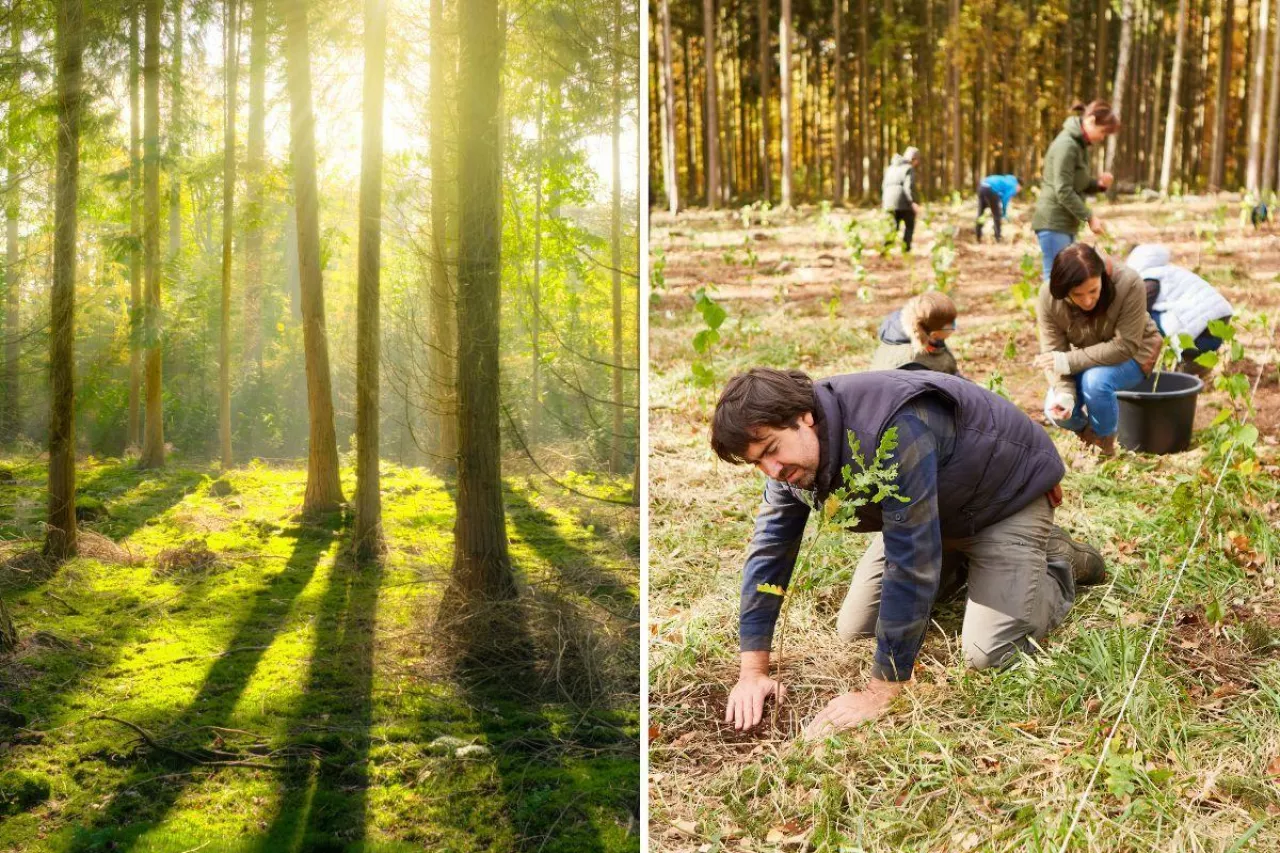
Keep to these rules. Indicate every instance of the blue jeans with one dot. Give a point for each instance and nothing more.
(1204, 343)
(1096, 403)
(1051, 243)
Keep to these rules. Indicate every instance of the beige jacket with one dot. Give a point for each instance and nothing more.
(1123, 332)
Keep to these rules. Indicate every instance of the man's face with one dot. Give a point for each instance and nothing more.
(789, 455)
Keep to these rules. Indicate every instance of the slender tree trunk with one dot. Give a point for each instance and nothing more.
(838, 84)
(1100, 62)
(60, 538)
(957, 122)
(231, 36)
(765, 61)
(1220, 141)
(481, 567)
(176, 130)
(153, 429)
(11, 417)
(690, 155)
(1121, 80)
(368, 542)
(535, 396)
(672, 179)
(1273, 117)
(442, 355)
(784, 85)
(1254, 168)
(1149, 144)
(135, 233)
(711, 138)
(615, 456)
(324, 490)
(253, 173)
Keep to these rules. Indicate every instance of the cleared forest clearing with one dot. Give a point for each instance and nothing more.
(967, 761)
(216, 674)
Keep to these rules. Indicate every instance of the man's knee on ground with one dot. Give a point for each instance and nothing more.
(978, 657)
(854, 628)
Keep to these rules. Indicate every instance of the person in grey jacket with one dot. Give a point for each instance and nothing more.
(899, 192)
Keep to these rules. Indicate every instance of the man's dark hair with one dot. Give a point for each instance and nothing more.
(1075, 265)
(761, 397)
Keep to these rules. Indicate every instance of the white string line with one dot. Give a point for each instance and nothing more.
(1155, 631)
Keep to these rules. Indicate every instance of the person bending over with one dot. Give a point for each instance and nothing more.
(915, 336)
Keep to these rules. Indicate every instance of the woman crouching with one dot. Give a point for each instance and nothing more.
(915, 336)
(1096, 338)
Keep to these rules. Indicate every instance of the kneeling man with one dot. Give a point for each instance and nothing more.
(978, 482)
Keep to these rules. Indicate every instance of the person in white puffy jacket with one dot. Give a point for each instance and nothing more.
(1181, 302)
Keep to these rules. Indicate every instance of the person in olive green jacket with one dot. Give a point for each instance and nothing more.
(1061, 209)
(1096, 338)
(915, 336)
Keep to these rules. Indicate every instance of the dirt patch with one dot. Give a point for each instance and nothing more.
(191, 560)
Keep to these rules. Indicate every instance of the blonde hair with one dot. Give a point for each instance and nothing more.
(931, 311)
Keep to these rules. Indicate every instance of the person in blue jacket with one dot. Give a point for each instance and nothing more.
(994, 194)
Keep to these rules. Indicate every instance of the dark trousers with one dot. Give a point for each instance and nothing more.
(988, 199)
(909, 217)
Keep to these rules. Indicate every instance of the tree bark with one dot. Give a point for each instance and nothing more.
(957, 122)
(442, 354)
(176, 129)
(672, 175)
(765, 61)
(837, 196)
(784, 86)
(1220, 141)
(60, 539)
(711, 140)
(254, 165)
(615, 228)
(324, 489)
(231, 70)
(1273, 116)
(481, 567)
(11, 417)
(369, 544)
(535, 396)
(153, 428)
(1121, 79)
(1254, 168)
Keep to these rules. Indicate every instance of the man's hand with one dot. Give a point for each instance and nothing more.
(857, 706)
(915, 207)
(746, 700)
(1097, 226)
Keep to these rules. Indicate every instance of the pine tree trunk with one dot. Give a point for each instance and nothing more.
(60, 538)
(177, 128)
(1121, 80)
(1217, 166)
(11, 416)
(784, 87)
(672, 175)
(953, 87)
(535, 322)
(711, 133)
(837, 196)
(1259, 82)
(153, 427)
(253, 175)
(690, 157)
(324, 489)
(615, 228)
(1100, 59)
(368, 542)
(481, 567)
(765, 62)
(1273, 116)
(442, 355)
(231, 36)
(1149, 144)
(134, 435)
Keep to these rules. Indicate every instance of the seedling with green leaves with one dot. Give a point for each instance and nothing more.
(713, 317)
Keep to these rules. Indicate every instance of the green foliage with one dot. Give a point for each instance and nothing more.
(1027, 288)
(942, 258)
(713, 317)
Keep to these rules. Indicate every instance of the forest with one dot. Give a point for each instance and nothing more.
(1146, 719)
(319, 425)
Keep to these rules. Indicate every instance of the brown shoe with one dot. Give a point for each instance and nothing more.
(1106, 444)
(1087, 566)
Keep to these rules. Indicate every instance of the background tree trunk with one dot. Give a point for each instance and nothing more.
(1218, 164)
(60, 539)
(711, 138)
(672, 179)
(324, 489)
(1254, 168)
(1121, 80)
(135, 233)
(253, 176)
(368, 521)
(177, 129)
(1273, 116)
(481, 567)
(784, 88)
(442, 353)
(765, 61)
(615, 228)
(153, 427)
(11, 416)
(838, 101)
(231, 36)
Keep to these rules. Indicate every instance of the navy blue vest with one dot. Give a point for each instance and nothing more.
(1002, 460)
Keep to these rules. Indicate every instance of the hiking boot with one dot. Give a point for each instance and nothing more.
(1087, 565)
(1106, 444)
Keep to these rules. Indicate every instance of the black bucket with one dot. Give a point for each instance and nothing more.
(1159, 421)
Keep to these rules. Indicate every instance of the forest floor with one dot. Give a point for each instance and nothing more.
(967, 760)
(215, 674)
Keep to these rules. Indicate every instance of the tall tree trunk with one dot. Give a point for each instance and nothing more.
(1253, 172)
(324, 489)
(1149, 144)
(442, 364)
(765, 61)
(672, 175)
(690, 156)
(481, 567)
(1273, 116)
(1220, 141)
(1100, 58)
(231, 36)
(60, 538)
(711, 133)
(784, 86)
(153, 428)
(535, 323)
(957, 122)
(864, 108)
(135, 233)
(177, 127)
(11, 417)
(254, 165)
(1121, 80)
(368, 542)
(839, 100)
(615, 228)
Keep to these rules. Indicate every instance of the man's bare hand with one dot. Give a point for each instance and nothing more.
(746, 700)
(854, 707)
